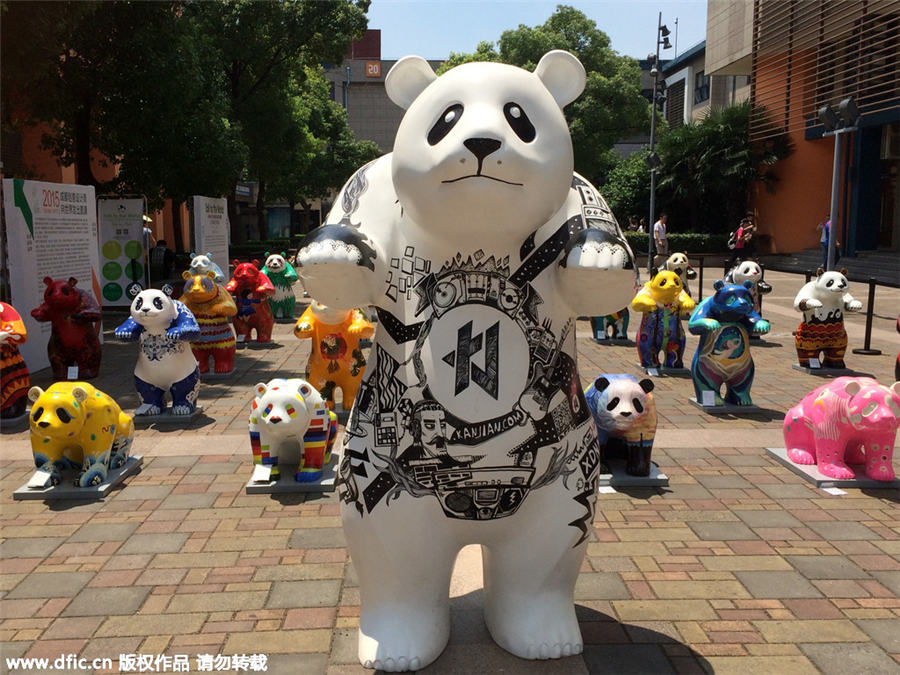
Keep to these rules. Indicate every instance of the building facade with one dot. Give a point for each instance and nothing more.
(801, 56)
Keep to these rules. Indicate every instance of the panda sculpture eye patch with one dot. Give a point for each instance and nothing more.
(445, 123)
(519, 122)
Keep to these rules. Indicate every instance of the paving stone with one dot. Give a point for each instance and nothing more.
(812, 630)
(768, 518)
(841, 659)
(51, 585)
(889, 580)
(151, 624)
(345, 645)
(826, 567)
(279, 642)
(722, 531)
(193, 560)
(698, 589)
(143, 492)
(787, 491)
(320, 537)
(104, 532)
(885, 632)
(74, 627)
(292, 664)
(301, 572)
(743, 563)
(760, 665)
(214, 468)
(612, 549)
(200, 500)
(622, 659)
(777, 584)
(842, 530)
(217, 602)
(154, 543)
(726, 481)
(104, 601)
(601, 586)
(489, 658)
(320, 593)
(29, 547)
(664, 610)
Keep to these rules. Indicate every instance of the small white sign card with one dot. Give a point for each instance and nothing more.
(814, 363)
(708, 398)
(653, 371)
(39, 479)
(72, 373)
(262, 473)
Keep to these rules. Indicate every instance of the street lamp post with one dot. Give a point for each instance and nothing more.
(662, 40)
(849, 118)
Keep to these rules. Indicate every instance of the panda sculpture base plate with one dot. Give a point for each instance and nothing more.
(15, 423)
(212, 375)
(726, 409)
(67, 491)
(823, 372)
(166, 417)
(820, 480)
(663, 370)
(620, 478)
(287, 485)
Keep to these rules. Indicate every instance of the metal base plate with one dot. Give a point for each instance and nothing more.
(823, 372)
(68, 491)
(286, 483)
(619, 478)
(167, 417)
(15, 423)
(213, 375)
(813, 475)
(727, 409)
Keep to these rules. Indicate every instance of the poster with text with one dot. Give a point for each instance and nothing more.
(122, 255)
(51, 231)
(212, 229)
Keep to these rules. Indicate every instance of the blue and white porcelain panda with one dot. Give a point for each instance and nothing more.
(479, 247)
(165, 328)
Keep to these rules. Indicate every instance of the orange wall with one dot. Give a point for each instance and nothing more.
(802, 196)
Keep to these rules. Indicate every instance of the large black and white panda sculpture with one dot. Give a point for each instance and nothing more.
(478, 246)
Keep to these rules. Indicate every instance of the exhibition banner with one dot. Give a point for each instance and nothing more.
(122, 254)
(212, 229)
(51, 231)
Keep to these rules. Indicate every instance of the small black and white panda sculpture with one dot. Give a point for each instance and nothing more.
(479, 247)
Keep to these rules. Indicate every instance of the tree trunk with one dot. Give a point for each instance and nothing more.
(176, 226)
(237, 230)
(262, 224)
(84, 173)
(306, 216)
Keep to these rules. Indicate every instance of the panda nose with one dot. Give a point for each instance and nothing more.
(482, 147)
(626, 414)
(274, 420)
(43, 424)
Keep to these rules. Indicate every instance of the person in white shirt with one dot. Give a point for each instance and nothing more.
(661, 244)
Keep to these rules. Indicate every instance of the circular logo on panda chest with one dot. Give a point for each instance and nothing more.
(333, 347)
(476, 362)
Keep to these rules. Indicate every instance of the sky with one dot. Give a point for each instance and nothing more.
(434, 28)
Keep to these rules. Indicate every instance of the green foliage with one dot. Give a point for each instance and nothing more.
(611, 106)
(692, 242)
(627, 187)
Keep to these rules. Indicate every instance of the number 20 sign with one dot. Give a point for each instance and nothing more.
(373, 68)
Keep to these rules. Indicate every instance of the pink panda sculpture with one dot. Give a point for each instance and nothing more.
(850, 420)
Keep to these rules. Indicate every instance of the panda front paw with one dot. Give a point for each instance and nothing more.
(762, 326)
(598, 255)
(854, 306)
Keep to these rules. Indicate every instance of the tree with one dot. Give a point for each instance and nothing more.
(315, 169)
(263, 50)
(627, 187)
(611, 106)
(709, 168)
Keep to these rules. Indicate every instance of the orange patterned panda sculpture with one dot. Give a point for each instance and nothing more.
(336, 359)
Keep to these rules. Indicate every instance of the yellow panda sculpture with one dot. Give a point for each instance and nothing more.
(663, 302)
(74, 424)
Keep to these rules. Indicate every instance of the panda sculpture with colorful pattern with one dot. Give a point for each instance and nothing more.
(479, 247)
(283, 277)
(165, 329)
(291, 413)
(14, 376)
(750, 270)
(201, 263)
(663, 301)
(75, 425)
(251, 290)
(724, 321)
(212, 307)
(74, 316)
(625, 414)
(823, 302)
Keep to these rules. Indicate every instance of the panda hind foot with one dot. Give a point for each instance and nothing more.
(182, 409)
(148, 409)
(548, 632)
(405, 641)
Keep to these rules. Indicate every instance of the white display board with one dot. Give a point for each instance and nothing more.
(212, 229)
(51, 231)
(122, 254)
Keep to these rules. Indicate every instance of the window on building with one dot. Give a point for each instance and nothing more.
(701, 87)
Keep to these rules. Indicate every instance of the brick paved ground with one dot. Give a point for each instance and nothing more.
(738, 566)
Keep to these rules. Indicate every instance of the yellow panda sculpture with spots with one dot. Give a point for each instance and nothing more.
(74, 424)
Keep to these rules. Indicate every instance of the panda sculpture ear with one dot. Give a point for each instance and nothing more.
(260, 388)
(563, 75)
(193, 255)
(895, 388)
(844, 271)
(79, 394)
(255, 263)
(208, 254)
(653, 272)
(820, 271)
(73, 281)
(407, 79)
(601, 383)
(266, 254)
(748, 284)
(647, 385)
(185, 275)
(719, 285)
(235, 262)
(34, 394)
(211, 275)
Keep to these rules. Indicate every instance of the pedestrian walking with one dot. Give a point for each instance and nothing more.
(660, 240)
(742, 238)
